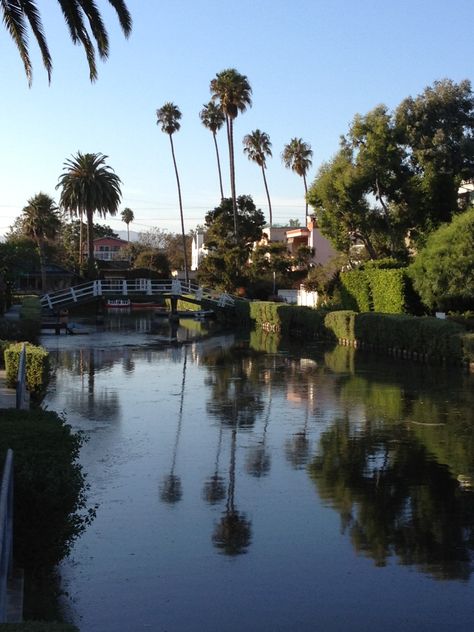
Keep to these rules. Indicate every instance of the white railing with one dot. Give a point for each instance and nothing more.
(6, 532)
(132, 287)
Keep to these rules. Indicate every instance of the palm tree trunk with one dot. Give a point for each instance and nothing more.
(230, 137)
(80, 239)
(305, 199)
(180, 211)
(90, 242)
(128, 232)
(218, 165)
(268, 196)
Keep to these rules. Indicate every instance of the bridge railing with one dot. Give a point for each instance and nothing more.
(6, 532)
(129, 287)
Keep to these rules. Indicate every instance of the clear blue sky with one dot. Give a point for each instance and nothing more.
(312, 65)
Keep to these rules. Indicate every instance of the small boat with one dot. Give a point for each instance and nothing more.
(118, 302)
(150, 305)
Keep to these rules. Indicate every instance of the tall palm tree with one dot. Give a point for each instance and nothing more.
(297, 157)
(232, 92)
(257, 146)
(213, 119)
(168, 116)
(80, 17)
(89, 186)
(127, 217)
(41, 222)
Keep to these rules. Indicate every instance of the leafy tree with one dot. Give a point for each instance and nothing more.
(168, 116)
(213, 118)
(153, 260)
(257, 146)
(41, 223)
(297, 156)
(396, 175)
(69, 240)
(438, 128)
(226, 265)
(89, 186)
(18, 14)
(127, 217)
(343, 211)
(443, 272)
(232, 92)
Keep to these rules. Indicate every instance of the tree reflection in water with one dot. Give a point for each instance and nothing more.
(171, 489)
(232, 534)
(395, 499)
(214, 488)
(297, 447)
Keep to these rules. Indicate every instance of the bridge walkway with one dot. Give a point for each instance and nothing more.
(170, 288)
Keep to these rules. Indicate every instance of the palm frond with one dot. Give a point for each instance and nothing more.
(14, 21)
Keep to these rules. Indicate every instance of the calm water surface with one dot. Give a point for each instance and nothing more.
(248, 485)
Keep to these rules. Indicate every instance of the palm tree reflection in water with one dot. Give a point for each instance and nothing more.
(214, 488)
(232, 534)
(171, 489)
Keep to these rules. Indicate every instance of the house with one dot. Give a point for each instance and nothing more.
(293, 237)
(198, 250)
(109, 249)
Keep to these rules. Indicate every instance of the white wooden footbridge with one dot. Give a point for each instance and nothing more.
(114, 288)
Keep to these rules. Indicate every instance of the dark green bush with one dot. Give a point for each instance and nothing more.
(425, 335)
(49, 499)
(37, 366)
(24, 329)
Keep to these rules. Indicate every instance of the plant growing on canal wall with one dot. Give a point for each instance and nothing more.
(37, 366)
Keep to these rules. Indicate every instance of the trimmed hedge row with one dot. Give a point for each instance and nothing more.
(375, 289)
(37, 366)
(424, 336)
(285, 318)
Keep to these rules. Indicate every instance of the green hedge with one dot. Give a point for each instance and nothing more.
(341, 324)
(355, 291)
(49, 486)
(37, 366)
(425, 335)
(378, 290)
(287, 318)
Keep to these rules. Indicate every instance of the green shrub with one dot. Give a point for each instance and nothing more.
(23, 329)
(341, 324)
(37, 366)
(387, 289)
(30, 308)
(288, 318)
(443, 272)
(49, 499)
(379, 286)
(355, 291)
(425, 335)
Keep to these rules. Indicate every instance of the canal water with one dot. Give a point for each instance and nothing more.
(243, 483)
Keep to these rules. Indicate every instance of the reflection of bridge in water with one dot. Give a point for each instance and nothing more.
(172, 289)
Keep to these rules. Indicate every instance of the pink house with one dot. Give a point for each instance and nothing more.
(109, 249)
